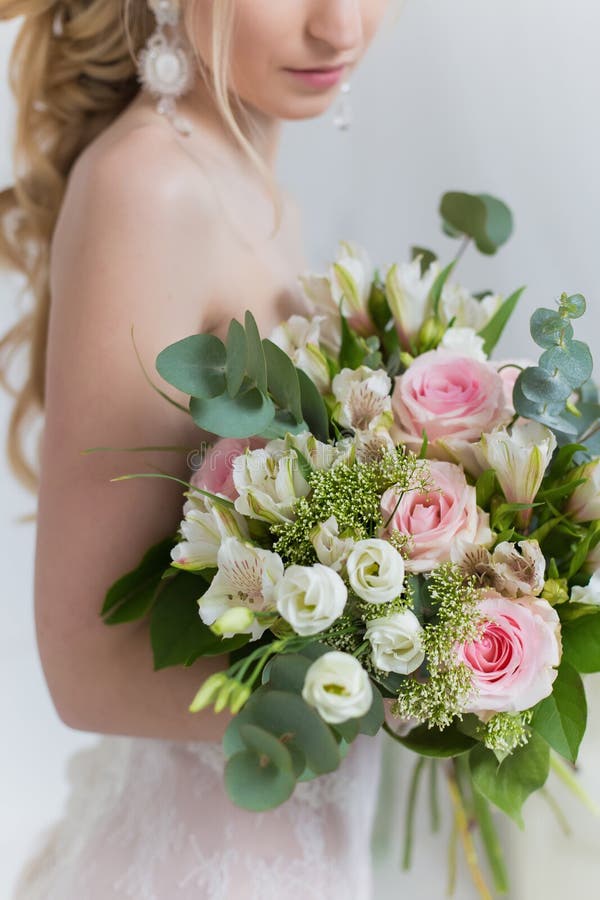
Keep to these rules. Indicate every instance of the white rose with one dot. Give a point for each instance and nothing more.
(375, 571)
(396, 642)
(331, 549)
(338, 686)
(310, 598)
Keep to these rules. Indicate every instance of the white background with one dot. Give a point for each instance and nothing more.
(500, 96)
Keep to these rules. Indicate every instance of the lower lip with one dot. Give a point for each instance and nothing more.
(318, 78)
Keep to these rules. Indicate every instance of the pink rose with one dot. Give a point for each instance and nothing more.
(448, 396)
(438, 518)
(216, 472)
(513, 661)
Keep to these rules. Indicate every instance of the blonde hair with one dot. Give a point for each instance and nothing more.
(68, 88)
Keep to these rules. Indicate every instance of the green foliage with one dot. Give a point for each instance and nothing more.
(244, 415)
(561, 718)
(133, 594)
(481, 217)
(542, 392)
(261, 776)
(237, 350)
(508, 784)
(178, 635)
(492, 332)
(195, 365)
(427, 257)
(313, 408)
(447, 742)
(581, 643)
(283, 383)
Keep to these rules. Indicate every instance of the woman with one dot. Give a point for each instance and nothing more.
(125, 213)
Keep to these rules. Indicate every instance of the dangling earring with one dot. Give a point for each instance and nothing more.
(343, 115)
(164, 65)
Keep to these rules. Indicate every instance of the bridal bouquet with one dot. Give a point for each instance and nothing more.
(391, 531)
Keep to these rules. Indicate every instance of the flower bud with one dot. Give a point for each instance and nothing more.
(208, 691)
(431, 333)
(224, 694)
(238, 697)
(236, 620)
(555, 591)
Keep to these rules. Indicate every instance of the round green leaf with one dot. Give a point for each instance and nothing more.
(262, 776)
(548, 328)
(574, 305)
(499, 221)
(288, 671)
(541, 386)
(242, 416)
(484, 218)
(574, 362)
(194, 365)
(285, 713)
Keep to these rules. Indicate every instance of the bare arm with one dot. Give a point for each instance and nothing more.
(132, 248)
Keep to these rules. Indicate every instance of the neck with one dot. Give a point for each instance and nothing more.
(262, 131)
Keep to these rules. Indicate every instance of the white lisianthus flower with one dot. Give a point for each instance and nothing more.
(268, 484)
(465, 342)
(299, 338)
(467, 311)
(310, 598)
(338, 687)
(408, 294)
(247, 576)
(203, 530)
(332, 550)
(584, 503)
(590, 593)
(396, 642)
(363, 399)
(520, 459)
(375, 571)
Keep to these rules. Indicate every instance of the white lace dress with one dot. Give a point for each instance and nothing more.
(150, 820)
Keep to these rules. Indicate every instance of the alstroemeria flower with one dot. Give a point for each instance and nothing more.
(590, 593)
(299, 337)
(203, 529)
(584, 503)
(363, 399)
(467, 311)
(407, 292)
(246, 576)
(519, 458)
(348, 282)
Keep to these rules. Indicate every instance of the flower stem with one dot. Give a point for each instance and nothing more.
(466, 837)
(570, 781)
(410, 812)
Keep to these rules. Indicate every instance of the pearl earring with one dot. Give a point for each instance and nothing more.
(343, 116)
(164, 66)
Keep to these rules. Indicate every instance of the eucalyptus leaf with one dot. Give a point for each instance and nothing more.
(195, 365)
(541, 386)
(549, 329)
(561, 718)
(574, 305)
(574, 363)
(484, 218)
(256, 365)
(282, 380)
(236, 357)
(313, 407)
(262, 776)
(242, 416)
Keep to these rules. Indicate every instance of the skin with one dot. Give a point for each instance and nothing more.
(170, 234)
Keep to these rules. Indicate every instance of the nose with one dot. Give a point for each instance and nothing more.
(337, 23)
